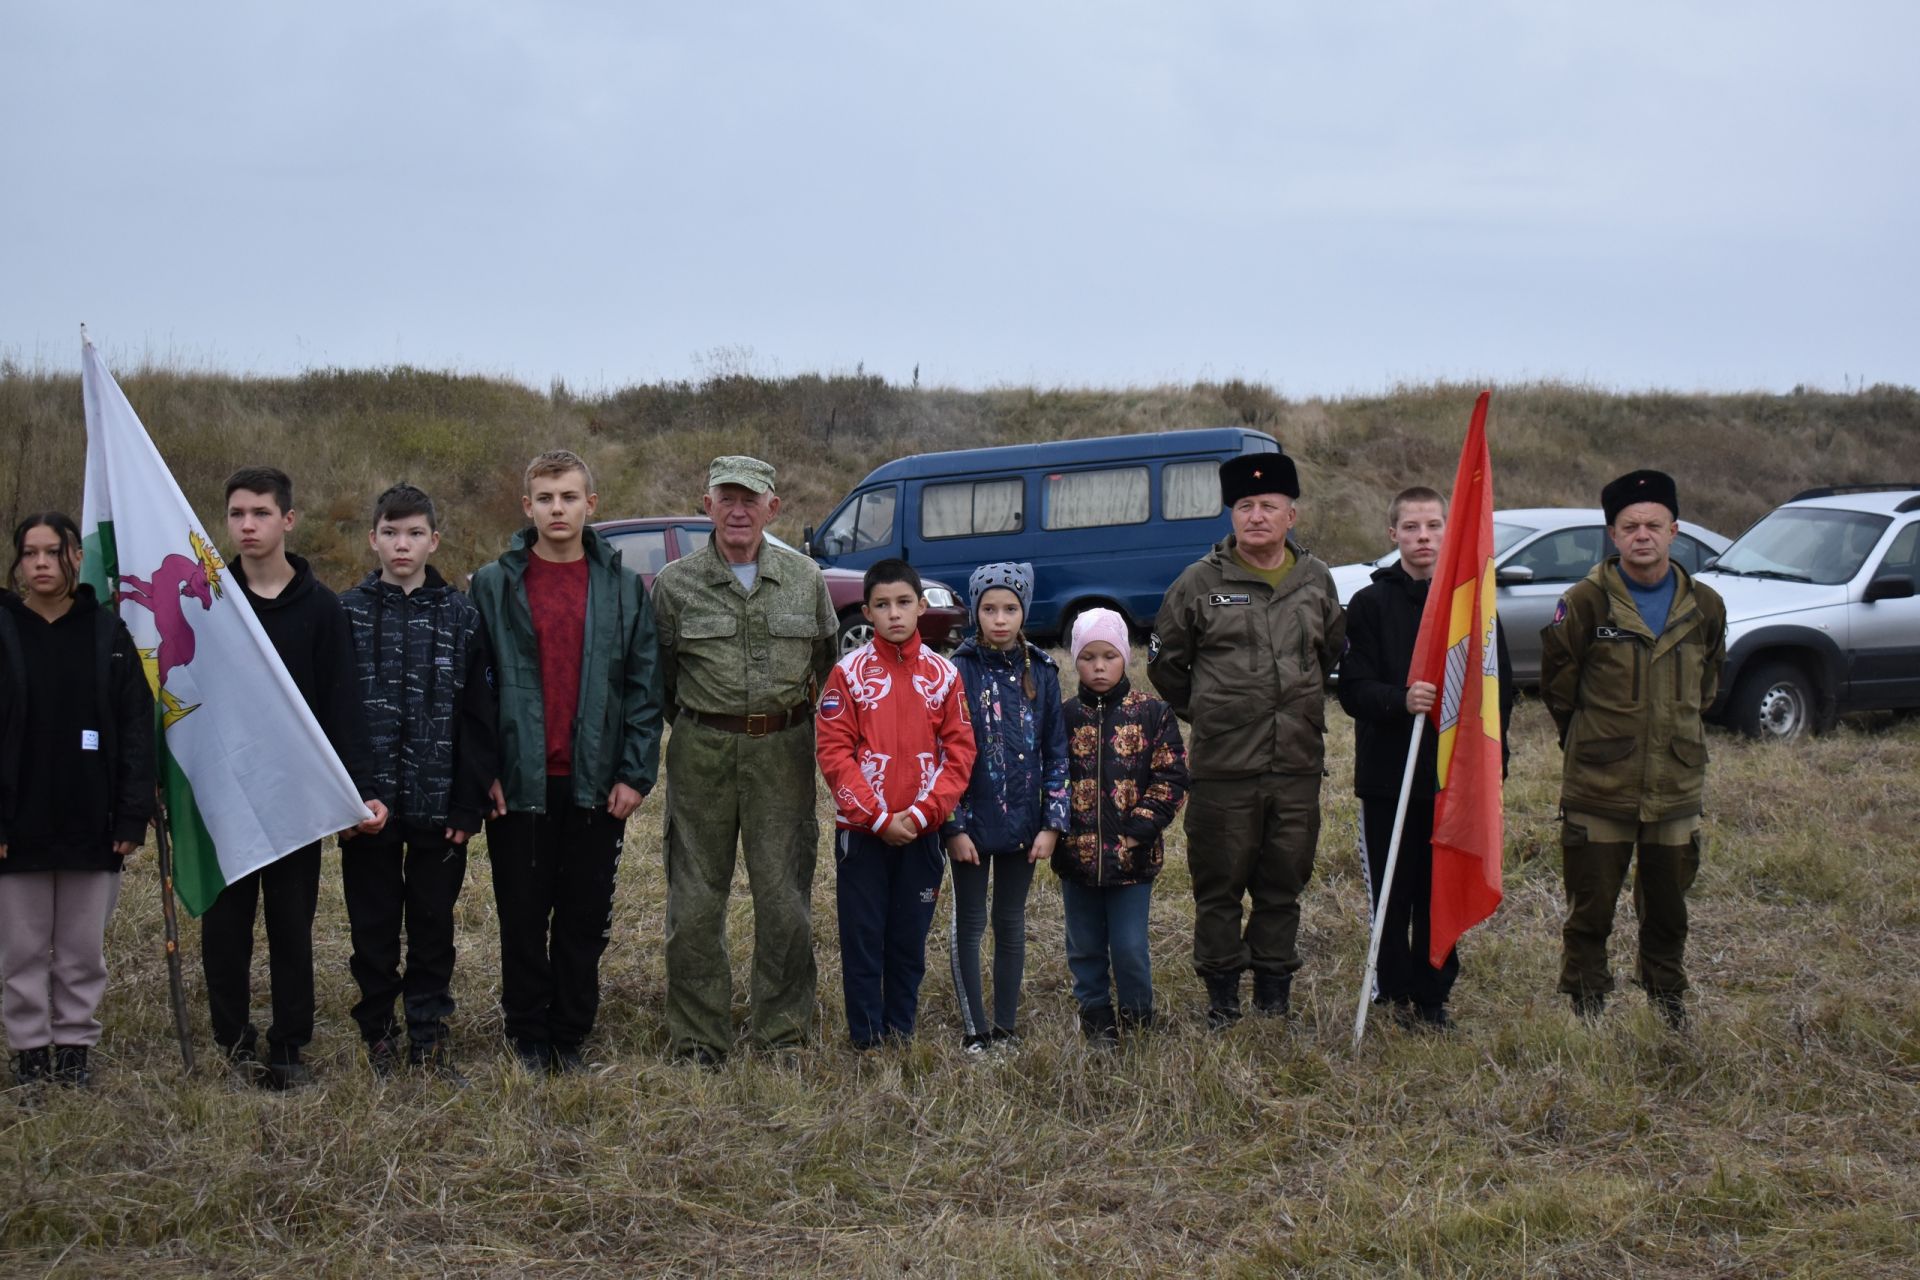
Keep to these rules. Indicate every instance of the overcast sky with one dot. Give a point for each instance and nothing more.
(1329, 197)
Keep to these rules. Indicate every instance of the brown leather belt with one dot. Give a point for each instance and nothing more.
(756, 726)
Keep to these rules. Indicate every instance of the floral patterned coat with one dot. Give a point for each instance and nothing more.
(1129, 776)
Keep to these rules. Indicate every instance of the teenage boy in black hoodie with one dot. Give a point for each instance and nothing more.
(308, 629)
(422, 665)
(1383, 621)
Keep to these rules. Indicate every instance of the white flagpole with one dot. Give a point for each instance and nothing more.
(1386, 882)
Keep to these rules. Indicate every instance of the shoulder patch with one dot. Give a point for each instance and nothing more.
(1153, 646)
(832, 705)
(1559, 613)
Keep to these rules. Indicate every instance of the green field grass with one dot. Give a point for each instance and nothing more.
(1781, 1136)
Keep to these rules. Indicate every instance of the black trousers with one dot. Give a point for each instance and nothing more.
(287, 892)
(407, 875)
(553, 881)
(1405, 973)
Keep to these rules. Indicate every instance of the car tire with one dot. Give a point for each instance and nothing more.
(1774, 701)
(855, 631)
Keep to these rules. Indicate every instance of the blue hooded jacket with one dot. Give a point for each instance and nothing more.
(1019, 783)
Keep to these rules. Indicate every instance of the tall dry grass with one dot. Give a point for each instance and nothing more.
(1780, 1137)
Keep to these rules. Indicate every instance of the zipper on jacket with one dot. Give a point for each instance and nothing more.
(1100, 796)
(1637, 647)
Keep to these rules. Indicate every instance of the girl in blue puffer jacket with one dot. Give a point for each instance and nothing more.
(1015, 807)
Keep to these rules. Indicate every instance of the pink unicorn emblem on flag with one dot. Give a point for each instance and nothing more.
(164, 594)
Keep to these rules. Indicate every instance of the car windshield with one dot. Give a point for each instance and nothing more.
(1805, 544)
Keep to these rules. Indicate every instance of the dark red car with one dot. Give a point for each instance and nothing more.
(648, 544)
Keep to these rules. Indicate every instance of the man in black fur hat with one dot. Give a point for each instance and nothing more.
(1241, 650)
(1628, 667)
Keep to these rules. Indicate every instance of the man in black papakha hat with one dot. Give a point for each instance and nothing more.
(1628, 667)
(1241, 650)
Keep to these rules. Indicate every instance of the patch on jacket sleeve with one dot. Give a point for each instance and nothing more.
(831, 705)
(1153, 646)
(1559, 613)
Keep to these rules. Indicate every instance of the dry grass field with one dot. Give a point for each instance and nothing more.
(1781, 1136)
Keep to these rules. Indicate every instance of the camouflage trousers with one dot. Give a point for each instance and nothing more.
(729, 792)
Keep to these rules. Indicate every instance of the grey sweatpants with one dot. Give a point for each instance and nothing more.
(53, 928)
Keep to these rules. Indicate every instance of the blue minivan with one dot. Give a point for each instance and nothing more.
(1107, 521)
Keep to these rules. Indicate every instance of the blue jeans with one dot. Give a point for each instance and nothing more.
(1107, 928)
(886, 898)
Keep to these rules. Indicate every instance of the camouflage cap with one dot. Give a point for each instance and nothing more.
(736, 468)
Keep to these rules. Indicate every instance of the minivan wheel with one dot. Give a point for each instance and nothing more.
(1774, 701)
(855, 631)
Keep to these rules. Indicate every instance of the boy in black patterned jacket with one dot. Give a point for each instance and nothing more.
(1128, 776)
(422, 664)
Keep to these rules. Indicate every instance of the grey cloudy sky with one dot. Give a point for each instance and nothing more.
(1329, 197)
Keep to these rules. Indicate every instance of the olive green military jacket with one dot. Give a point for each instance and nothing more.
(727, 651)
(1631, 705)
(1246, 664)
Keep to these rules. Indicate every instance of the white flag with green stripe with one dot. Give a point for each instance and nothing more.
(249, 775)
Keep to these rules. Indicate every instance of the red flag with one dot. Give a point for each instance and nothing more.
(1456, 652)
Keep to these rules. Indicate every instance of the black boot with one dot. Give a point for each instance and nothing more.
(1223, 1000)
(1671, 1006)
(70, 1066)
(244, 1058)
(31, 1066)
(383, 1055)
(1432, 1017)
(1100, 1027)
(1136, 1021)
(1589, 1005)
(433, 1056)
(1272, 994)
(534, 1056)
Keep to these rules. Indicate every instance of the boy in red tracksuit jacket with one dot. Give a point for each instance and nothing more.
(896, 746)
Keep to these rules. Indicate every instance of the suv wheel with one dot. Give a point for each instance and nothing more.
(1775, 701)
(855, 631)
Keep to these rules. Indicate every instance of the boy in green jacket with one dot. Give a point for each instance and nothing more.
(576, 668)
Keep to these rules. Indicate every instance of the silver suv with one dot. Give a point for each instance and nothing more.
(1821, 612)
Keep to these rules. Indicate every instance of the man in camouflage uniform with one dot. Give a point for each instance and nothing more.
(747, 636)
(1241, 650)
(1628, 667)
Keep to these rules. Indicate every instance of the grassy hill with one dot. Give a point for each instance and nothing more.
(346, 434)
(1780, 1137)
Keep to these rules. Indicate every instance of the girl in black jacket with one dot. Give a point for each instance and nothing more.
(76, 794)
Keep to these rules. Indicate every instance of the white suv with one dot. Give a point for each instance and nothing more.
(1821, 612)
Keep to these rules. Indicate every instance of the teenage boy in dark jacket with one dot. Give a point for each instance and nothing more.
(422, 664)
(309, 631)
(1383, 621)
(578, 673)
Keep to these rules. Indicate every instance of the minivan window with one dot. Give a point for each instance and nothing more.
(1088, 499)
(972, 507)
(861, 525)
(1190, 490)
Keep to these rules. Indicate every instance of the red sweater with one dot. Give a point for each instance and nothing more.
(894, 736)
